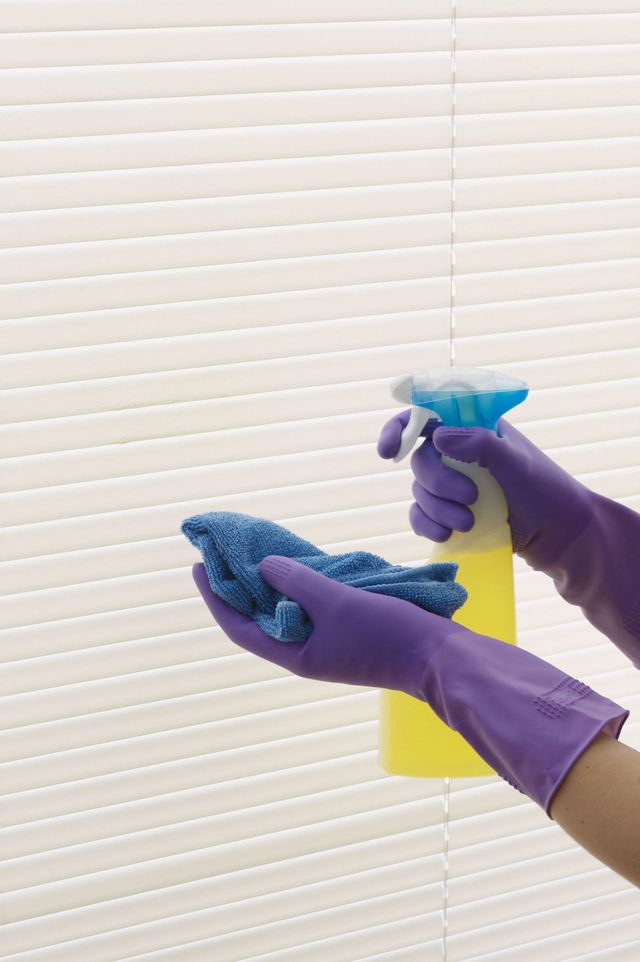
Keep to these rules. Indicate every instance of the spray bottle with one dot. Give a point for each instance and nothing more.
(413, 740)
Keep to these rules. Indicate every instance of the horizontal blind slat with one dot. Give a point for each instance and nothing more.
(116, 222)
(34, 122)
(330, 464)
(119, 14)
(78, 84)
(403, 876)
(110, 461)
(154, 183)
(192, 866)
(61, 155)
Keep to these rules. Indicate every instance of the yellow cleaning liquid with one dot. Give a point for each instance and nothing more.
(413, 740)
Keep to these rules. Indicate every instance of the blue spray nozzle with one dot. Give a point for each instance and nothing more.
(458, 396)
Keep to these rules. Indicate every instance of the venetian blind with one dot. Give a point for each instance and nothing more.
(225, 227)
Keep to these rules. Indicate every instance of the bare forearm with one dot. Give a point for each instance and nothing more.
(598, 804)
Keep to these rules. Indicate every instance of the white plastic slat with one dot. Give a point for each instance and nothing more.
(166, 388)
(196, 864)
(242, 183)
(581, 185)
(173, 764)
(179, 711)
(35, 539)
(177, 284)
(119, 14)
(354, 304)
(176, 711)
(65, 154)
(33, 122)
(357, 102)
(534, 126)
(576, 92)
(595, 939)
(547, 281)
(241, 825)
(197, 483)
(25, 836)
(548, 31)
(172, 551)
(135, 83)
(555, 62)
(337, 531)
(419, 931)
(227, 228)
(59, 47)
(370, 863)
(109, 461)
(569, 920)
(547, 157)
(154, 183)
(113, 222)
(282, 374)
(405, 877)
(83, 83)
(598, 217)
(548, 896)
(180, 353)
(254, 345)
(523, 123)
(176, 775)
(332, 930)
(567, 865)
(190, 419)
(545, 129)
(525, 8)
(215, 314)
(213, 247)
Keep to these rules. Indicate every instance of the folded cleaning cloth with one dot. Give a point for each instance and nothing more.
(233, 545)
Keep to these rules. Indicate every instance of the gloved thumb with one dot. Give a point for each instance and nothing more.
(302, 584)
(467, 444)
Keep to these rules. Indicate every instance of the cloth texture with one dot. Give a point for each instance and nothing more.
(233, 545)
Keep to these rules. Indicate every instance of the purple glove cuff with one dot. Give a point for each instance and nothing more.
(598, 571)
(530, 722)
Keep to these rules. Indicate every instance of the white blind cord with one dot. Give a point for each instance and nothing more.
(445, 867)
(452, 209)
(452, 324)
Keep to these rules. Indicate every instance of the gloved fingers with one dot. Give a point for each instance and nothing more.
(391, 433)
(439, 479)
(476, 444)
(241, 630)
(424, 526)
(448, 514)
(313, 591)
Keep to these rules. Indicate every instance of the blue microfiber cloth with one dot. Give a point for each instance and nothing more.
(232, 546)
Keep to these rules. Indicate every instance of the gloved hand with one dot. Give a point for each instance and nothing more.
(588, 544)
(526, 718)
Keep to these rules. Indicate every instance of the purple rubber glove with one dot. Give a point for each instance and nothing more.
(527, 719)
(587, 543)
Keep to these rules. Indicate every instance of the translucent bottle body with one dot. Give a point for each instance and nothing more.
(412, 739)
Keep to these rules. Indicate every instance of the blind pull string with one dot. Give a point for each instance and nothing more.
(452, 324)
(452, 191)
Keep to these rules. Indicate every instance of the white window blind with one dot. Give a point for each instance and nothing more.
(225, 227)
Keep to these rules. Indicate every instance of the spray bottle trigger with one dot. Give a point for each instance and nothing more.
(417, 420)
